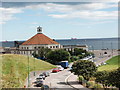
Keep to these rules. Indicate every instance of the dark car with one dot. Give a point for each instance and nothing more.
(46, 74)
(39, 83)
(55, 70)
(45, 87)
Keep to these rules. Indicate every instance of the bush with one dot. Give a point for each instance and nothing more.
(81, 79)
(88, 84)
(97, 86)
(81, 56)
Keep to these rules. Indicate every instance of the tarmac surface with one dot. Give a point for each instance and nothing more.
(67, 80)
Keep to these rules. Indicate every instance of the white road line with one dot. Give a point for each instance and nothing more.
(67, 78)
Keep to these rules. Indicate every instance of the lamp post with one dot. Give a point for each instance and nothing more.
(34, 65)
(111, 50)
(28, 71)
(92, 51)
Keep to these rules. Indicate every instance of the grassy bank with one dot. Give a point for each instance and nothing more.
(112, 64)
(15, 69)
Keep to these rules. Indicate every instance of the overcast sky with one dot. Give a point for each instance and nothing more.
(60, 20)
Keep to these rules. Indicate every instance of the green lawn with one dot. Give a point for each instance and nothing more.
(15, 69)
(112, 64)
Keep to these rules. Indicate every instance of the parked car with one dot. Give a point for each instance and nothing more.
(39, 84)
(45, 87)
(46, 74)
(60, 68)
(42, 76)
(70, 68)
(55, 70)
(39, 79)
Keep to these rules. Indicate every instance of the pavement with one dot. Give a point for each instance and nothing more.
(73, 82)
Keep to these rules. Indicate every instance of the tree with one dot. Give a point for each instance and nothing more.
(85, 68)
(42, 52)
(114, 78)
(102, 77)
(58, 55)
(79, 51)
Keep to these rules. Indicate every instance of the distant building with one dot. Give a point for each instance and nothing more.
(72, 47)
(37, 41)
(34, 43)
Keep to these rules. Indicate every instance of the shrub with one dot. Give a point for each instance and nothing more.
(81, 79)
(97, 86)
(88, 84)
(73, 58)
(81, 56)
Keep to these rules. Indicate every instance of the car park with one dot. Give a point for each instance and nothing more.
(55, 70)
(46, 74)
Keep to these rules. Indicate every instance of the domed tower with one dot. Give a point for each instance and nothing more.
(39, 29)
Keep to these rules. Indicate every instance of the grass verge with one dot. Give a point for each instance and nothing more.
(15, 69)
(112, 64)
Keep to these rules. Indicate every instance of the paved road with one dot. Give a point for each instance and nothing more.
(57, 80)
(100, 57)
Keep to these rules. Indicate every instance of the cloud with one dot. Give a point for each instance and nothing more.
(69, 7)
(79, 10)
(7, 14)
(61, 10)
(88, 15)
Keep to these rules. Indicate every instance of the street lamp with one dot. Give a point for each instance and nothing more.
(34, 66)
(28, 71)
(92, 51)
(111, 49)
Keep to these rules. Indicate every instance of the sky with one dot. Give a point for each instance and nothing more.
(59, 20)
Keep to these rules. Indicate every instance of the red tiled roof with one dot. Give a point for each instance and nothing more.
(39, 39)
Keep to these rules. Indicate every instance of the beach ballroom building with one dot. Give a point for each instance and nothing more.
(37, 41)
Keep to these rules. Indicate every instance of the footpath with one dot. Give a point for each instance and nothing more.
(73, 82)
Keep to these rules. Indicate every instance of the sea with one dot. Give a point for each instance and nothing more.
(95, 43)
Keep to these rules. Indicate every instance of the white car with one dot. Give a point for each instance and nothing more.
(42, 76)
(60, 68)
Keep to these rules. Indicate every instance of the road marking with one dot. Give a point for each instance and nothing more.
(66, 79)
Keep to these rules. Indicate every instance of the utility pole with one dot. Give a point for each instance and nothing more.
(111, 49)
(34, 65)
(28, 72)
(93, 52)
